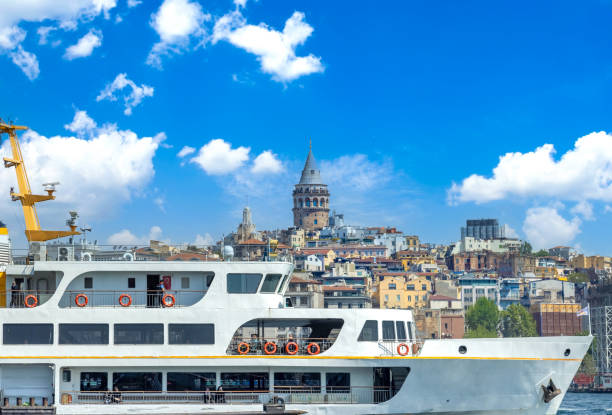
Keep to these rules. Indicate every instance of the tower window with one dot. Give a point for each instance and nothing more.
(315, 222)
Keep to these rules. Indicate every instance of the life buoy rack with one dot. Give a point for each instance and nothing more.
(270, 348)
(415, 349)
(129, 300)
(291, 348)
(315, 346)
(403, 349)
(243, 348)
(167, 303)
(30, 304)
(78, 298)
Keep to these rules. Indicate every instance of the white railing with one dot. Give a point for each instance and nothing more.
(400, 347)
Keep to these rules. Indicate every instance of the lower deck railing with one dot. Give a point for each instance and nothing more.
(347, 395)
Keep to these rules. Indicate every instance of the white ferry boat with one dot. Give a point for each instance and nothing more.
(95, 336)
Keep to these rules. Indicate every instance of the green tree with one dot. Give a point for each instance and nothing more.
(578, 277)
(588, 366)
(517, 322)
(482, 318)
(525, 248)
(541, 252)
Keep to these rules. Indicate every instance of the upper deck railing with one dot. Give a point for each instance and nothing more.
(270, 346)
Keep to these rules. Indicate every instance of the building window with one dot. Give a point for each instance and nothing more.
(187, 381)
(315, 221)
(191, 333)
(416, 298)
(392, 286)
(480, 291)
(243, 283)
(88, 283)
(28, 333)
(94, 381)
(138, 381)
(337, 382)
(83, 334)
(131, 282)
(139, 334)
(369, 332)
(185, 283)
(424, 287)
(409, 298)
(410, 287)
(398, 297)
(306, 382)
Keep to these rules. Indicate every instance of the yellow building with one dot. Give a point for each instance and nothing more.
(546, 272)
(413, 243)
(410, 258)
(400, 291)
(596, 261)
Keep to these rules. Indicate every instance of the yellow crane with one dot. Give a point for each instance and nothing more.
(28, 200)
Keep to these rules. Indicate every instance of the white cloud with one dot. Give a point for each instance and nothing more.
(545, 227)
(126, 237)
(85, 46)
(43, 34)
(82, 124)
(274, 50)
(509, 232)
(26, 61)
(582, 173)
(607, 209)
(185, 151)
(240, 3)
(218, 157)
(11, 37)
(131, 100)
(267, 162)
(133, 3)
(97, 174)
(178, 23)
(160, 202)
(357, 171)
(584, 209)
(205, 240)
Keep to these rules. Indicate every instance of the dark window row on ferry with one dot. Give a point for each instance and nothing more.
(201, 381)
(250, 283)
(391, 331)
(96, 334)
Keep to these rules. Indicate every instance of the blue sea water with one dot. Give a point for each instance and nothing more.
(586, 403)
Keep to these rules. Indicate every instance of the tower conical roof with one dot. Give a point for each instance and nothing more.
(310, 174)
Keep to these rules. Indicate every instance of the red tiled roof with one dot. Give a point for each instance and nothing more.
(303, 281)
(252, 242)
(187, 257)
(282, 246)
(311, 251)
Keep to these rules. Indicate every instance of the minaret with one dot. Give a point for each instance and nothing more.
(310, 198)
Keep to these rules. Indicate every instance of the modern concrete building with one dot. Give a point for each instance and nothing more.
(482, 229)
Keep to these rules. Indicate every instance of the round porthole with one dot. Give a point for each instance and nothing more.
(462, 349)
(567, 352)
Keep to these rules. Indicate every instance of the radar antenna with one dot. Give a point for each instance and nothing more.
(28, 200)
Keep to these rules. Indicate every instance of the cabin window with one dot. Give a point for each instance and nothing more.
(66, 375)
(185, 283)
(337, 382)
(270, 283)
(139, 334)
(243, 283)
(88, 283)
(191, 333)
(308, 382)
(283, 283)
(179, 381)
(28, 333)
(388, 328)
(83, 334)
(369, 332)
(401, 330)
(245, 381)
(131, 282)
(138, 381)
(94, 381)
(410, 330)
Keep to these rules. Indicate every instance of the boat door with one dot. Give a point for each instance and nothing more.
(153, 290)
(26, 381)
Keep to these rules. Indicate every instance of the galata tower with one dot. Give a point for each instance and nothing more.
(310, 198)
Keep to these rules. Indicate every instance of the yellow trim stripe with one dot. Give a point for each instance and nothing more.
(298, 357)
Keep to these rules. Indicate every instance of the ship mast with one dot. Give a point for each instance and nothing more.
(28, 200)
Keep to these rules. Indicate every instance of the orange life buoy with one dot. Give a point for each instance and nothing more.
(415, 349)
(270, 351)
(317, 349)
(31, 304)
(167, 297)
(78, 298)
(403, 349)
(243, 348)
(129, 300)
(293, 350)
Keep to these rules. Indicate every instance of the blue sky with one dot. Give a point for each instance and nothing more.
(409, 105)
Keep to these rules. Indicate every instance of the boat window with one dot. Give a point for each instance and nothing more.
(401, 330)
(83, 334)
(270, 283)
(243, 283)
(131, 282)
(369, 332)
(94, 381)
(185, 283)
(410, 330)
(388, 330)
(310, 381)
(282, 285)
(337, 382)
(88, 283)
(245, 381)
(139, 334)
(191, 333)
(180, 381)
(28, 333)
(138, 381)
